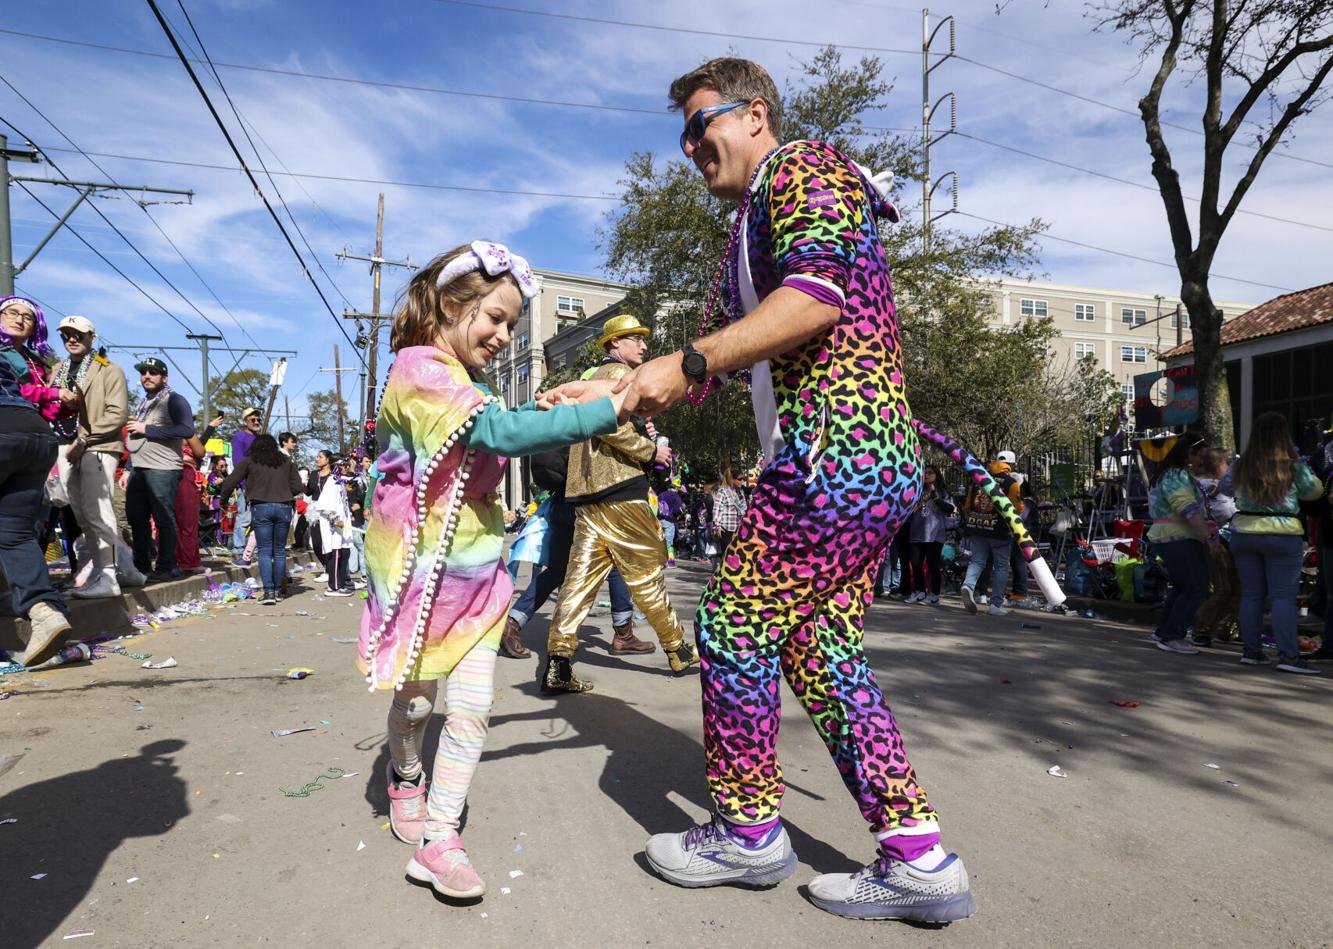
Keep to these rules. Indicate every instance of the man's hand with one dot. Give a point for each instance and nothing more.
(75, 451)
(123, 479)
(586, 390)
(217, 420)
(658, 383)
(68, 397)
(663, 456)
(136, 427)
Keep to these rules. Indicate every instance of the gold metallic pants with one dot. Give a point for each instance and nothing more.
(623, 534)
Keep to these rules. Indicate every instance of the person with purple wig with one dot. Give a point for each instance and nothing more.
(27, 454)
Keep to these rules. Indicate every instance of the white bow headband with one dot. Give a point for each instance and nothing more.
(494, 259)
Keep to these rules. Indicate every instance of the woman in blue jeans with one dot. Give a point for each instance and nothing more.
(272, 485)
(1181, 536)
(1268, 538)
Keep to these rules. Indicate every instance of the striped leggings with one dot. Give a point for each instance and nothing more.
(468, 692)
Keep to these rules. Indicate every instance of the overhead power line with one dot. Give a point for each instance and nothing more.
(1046, 235)
(249, 174)
(1126, 181)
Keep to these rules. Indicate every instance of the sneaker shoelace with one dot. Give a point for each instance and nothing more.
(702, 834)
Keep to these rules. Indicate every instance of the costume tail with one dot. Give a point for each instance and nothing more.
(1041, 571)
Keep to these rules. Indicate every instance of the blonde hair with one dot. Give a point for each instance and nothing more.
(424, 310)
(1264, 470)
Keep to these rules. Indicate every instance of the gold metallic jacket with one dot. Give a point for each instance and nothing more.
(607, 460)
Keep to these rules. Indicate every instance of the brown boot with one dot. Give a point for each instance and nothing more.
(625, 641)
(511, 640)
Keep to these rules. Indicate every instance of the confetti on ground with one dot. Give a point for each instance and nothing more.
(315, 785)
(1231, 784)
(132, 880)
(167, 663)
(9, 820)
(505, 891)
(1215, 767)
(293, 731)
(515, 874)
(518, 848)
(1123, 703)
(37, 876)
(80, 933)
(1056, 771)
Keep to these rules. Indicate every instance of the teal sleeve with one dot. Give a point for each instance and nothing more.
(528, 430)
(1308, 486)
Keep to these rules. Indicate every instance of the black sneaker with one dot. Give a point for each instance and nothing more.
(1253, 659)
(558, 676)
(162, 576)
(1297, 665)
(1201, 639)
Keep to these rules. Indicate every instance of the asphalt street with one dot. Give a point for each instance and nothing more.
(157, 807)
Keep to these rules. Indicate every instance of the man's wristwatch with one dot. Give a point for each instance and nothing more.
(694, 364)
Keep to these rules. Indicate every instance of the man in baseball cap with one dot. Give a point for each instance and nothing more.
(161, 422)
(91, 446)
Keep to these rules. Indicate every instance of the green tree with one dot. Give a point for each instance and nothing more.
(1262, 65)
(321, 429)
(668, 234)
(234, 392)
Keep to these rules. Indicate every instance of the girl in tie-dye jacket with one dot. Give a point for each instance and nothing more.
(438, 589)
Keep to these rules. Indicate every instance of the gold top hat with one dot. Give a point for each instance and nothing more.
(627, 325)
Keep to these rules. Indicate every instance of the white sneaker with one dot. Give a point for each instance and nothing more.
(933, 600)
(48, 625)
(892, 889)
(708, 856)
(969, 599)
(916, 598)
(1182, 646)
(994, 610)
(320, 578)
(337, 592)
(103, 586)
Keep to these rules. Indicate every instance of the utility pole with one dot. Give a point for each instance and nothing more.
(8, 271)
(287, 411)
(204, 392)
(369, 373)
(338, 371)
(927, 113)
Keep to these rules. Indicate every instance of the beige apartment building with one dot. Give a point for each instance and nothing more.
(1126, 332)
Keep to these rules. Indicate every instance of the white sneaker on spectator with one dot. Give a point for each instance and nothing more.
(916, 598)
(994, 610)
(932, 600)
(128, 575)
(1182, 646)
(102, 586)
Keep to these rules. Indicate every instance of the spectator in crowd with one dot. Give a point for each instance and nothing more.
(669, 507)
(1219, 617)
(252, 422)
(1180, 536)
(356, 502)
(926, 530)
(728, 507)
(332, 523)
(273, 484)
(161, 423)
(1018, 565)
(1267, 539)
(96, 440)
(27, 452)
(990, 535)
(287, 444)
(189, 496)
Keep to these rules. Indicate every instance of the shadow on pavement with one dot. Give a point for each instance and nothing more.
(647, 761)
(67, 828)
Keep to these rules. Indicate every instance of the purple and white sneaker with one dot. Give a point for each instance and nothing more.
(708, 855)
(894, 889)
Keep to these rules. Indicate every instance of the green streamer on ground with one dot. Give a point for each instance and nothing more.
(315, 785)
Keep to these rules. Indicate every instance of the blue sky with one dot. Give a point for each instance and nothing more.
(564, 158)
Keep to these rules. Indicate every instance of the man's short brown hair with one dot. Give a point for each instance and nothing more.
(734, 80)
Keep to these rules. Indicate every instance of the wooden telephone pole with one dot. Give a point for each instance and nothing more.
(370, 374)
(338, 371)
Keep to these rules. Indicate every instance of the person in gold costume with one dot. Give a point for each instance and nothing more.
(614, 526)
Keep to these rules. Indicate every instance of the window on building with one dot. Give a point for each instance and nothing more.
(1033, 307)
(1127, 391)
(1133, 317)
(1085, 312)
(522, 373)
(1133, 354)
(565, 304)
(521, 341)
(1180, 320)
(504, 383)
(1084, 350)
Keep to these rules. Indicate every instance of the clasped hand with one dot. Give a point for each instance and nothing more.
(648, 390)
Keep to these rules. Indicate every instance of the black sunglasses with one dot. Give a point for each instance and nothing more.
(699, 122)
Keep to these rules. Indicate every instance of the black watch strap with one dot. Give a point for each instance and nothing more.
(694, 364)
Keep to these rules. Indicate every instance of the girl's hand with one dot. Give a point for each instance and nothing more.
(68, 397)
(624, 402)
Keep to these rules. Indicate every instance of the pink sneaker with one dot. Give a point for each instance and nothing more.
(407, 808)
(445, 866)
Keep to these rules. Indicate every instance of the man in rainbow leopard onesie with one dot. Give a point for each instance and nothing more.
(804, 303)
